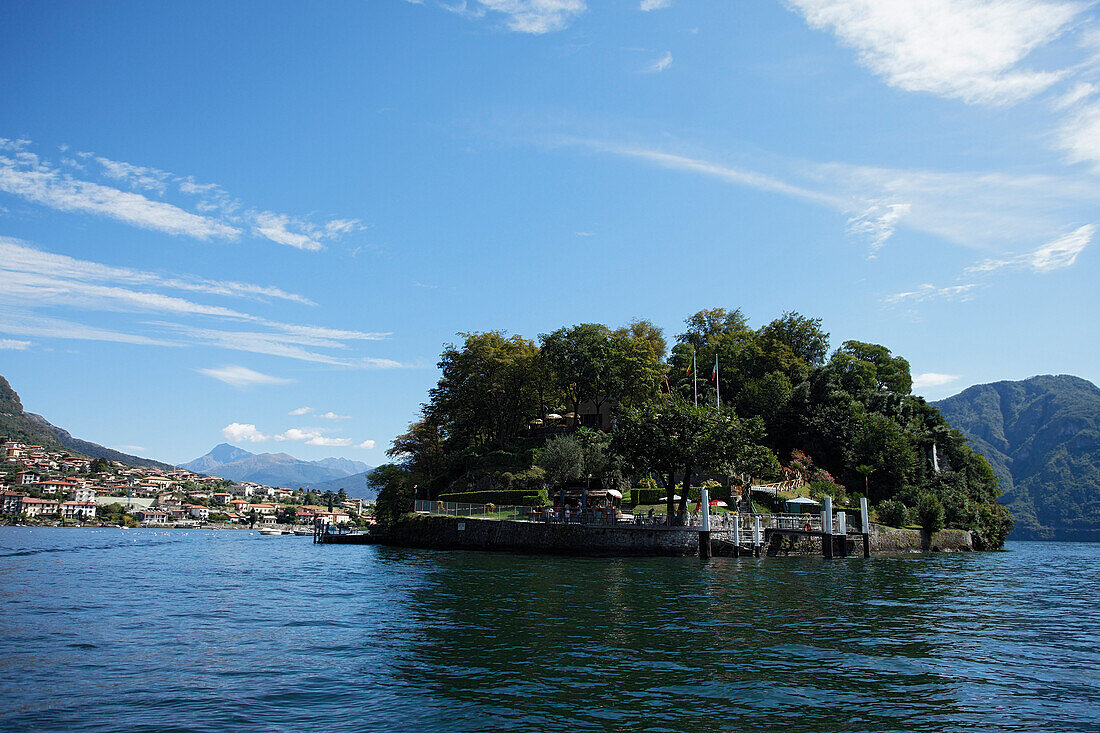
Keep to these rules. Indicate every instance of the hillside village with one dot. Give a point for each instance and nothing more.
(41, 485)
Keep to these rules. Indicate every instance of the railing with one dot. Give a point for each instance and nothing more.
(478, 511)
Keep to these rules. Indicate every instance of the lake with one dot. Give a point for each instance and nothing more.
(199, 630)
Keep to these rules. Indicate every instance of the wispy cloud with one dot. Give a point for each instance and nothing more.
(25, 176)
(983, 210)
(965, 49)
(240, 376)
(660, 64)
(300, 411)
(877, 222)
(20, 322)
(215, 214)
(648, 5)
(237, 432)
(932, 379)
(366, 444)
(927, 291)
(38, 280)
(1054, 255)
(14, 344)
(523, 16)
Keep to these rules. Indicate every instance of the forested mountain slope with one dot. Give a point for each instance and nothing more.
(1042, 438)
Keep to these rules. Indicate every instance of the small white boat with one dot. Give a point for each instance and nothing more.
(270, 531)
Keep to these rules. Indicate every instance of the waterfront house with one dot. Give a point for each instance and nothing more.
(34, 508)
(151, 516)
(197, 511)
(82, 495)
(78, 510)
(11, 502)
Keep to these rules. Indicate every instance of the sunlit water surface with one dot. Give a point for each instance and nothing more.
(201, 630)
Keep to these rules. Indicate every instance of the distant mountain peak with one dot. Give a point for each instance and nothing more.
(274, 469)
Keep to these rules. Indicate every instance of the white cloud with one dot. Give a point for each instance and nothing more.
(525, 16)
(990, 211)
(932, 379)
(34, 279)
(149, 179)
(236, 432)
(216, 214)
(1079, 93)
(878, 222)
(648, 5)
(19, 256)
(14, 344)
(333, 416)
(20, 322)
(367, 444)
(301, 411)
(927, 291)
(278, 228)
(240, 376)
(311, 437)
(329, 442)
(131, 448)
(1079, 136)
(659, 65)
(40, 184)
(297, 434)
(963, 49)
(1056, 254)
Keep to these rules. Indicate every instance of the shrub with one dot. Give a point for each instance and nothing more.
(930, 513)
(893, 513)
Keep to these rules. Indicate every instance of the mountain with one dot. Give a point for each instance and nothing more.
(1042, 438)
(355, 486)
(219, 455)
(272, 469)
(26, 427)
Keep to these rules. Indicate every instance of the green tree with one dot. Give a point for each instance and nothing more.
(930, 514)
(802, 335)
(563, 460)
(394, 485)
(891, 372)
(488, 391)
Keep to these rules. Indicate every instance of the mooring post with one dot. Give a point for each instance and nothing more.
(737, 535)
(842, 530)
(704, 528)
(866, 517)
(827, 526)
(756, 535)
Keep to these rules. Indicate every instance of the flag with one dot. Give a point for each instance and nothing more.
(714, 374)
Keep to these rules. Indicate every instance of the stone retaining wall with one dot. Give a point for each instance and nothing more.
(451, 533)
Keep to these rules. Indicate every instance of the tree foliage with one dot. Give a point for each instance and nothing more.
(778, 396)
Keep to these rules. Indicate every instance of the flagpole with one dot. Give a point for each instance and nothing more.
(717, 383)
(694, 378)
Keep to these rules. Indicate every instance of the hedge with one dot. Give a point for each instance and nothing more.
(500, 497)
(657, 496)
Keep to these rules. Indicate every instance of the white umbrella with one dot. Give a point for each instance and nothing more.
(615, 492)
(553, 416)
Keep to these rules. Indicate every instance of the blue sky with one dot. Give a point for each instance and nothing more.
(262, 222)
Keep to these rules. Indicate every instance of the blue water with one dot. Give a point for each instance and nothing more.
(200, 630)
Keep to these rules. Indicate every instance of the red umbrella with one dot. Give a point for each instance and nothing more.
(718, 502)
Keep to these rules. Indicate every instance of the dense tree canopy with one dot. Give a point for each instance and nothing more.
(783, 400)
